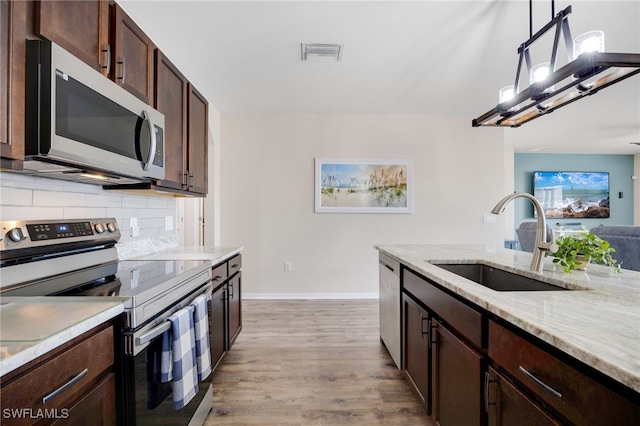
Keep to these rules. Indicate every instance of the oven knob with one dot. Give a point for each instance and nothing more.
(112, 227)
(16, 234)
(100, 228)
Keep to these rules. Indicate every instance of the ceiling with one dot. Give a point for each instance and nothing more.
(414, 57)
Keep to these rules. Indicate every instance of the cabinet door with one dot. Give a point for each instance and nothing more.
(198, 113)
(235, 308)
(16, 18)
(457, 380)
(416, 348)
(96, 407)
(80, 27)
(133, 51)
(171, 100)
(218, 325)
(506, 405)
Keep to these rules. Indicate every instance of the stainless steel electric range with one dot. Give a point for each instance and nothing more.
(78, 258)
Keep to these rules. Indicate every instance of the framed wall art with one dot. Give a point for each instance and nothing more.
(363, 186)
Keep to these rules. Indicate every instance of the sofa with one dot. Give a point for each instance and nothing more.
(526, 233)
(626, 240)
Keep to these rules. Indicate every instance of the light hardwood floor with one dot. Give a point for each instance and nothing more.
(311, 362)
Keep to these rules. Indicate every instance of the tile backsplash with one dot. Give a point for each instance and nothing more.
(25, 197)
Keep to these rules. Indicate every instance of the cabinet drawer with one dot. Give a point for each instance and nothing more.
(461, 317)
(575, 395)
(95, 354)
(219, 274)
(235, 264)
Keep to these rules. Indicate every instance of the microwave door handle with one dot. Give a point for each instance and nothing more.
(152, 145)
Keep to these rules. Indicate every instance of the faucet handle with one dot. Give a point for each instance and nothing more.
(552, 247)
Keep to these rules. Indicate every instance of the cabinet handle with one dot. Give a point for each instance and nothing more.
(230, 290)
(540, 383)
(432, 326)
(64, 387)
(106, 48)
(123, 70)
(235, 265)
(387, 266)
(487, 381)
(422, 332)
(218, 277)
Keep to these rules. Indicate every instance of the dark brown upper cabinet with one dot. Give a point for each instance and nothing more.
(171, 100)
(80, 27)
(133, 50)
(185, 129)
(16, 26)
(197, 141)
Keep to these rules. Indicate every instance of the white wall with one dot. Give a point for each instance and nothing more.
(267, 195)
(25, 198)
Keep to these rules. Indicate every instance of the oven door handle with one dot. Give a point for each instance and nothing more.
(166, 325)
(153, 333)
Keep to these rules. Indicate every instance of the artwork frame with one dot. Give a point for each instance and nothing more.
(348, 185)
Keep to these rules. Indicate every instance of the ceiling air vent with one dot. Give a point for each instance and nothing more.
(321, 52)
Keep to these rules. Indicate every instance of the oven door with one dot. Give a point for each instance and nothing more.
(147, 400)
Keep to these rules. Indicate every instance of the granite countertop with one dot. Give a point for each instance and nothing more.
(597, 322)
(32, 326)
(213, 254)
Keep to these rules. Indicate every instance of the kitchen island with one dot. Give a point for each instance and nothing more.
(596, 321)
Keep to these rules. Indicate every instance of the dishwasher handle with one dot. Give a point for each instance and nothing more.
(386, 265)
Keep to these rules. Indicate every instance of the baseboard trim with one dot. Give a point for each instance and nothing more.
(305, 296)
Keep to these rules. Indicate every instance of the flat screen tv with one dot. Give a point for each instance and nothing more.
(572, 194)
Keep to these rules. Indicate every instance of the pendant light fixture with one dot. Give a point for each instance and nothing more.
(589, 69)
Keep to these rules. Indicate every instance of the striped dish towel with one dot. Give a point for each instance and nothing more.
(179, 349)
(201, 328)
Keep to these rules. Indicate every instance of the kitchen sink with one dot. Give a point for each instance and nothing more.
(497, 279)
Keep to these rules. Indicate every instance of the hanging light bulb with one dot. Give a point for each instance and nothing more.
(506, 94)
(539, 72)
(592, 41)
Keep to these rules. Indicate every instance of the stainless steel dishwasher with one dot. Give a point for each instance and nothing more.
(389, 271)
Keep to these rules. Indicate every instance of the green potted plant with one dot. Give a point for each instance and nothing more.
(576, 252)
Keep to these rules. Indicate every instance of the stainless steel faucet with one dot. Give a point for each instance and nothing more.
(542, 245)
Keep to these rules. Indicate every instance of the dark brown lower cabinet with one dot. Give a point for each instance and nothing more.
(506, 405)
(456, 380)
(218, 325)
(235, 308)
(74, 383)
(97, 407)
(416, 348)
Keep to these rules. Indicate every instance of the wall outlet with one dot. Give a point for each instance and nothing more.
(489, 219)
(134, 231)
(288, 266)
(168, 223)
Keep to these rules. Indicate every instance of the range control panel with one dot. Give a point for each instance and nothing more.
(59, 230)
(24, 234)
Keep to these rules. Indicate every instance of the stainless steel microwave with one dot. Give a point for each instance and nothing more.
(82, 126)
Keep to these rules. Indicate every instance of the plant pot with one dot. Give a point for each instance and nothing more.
(584, 261)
